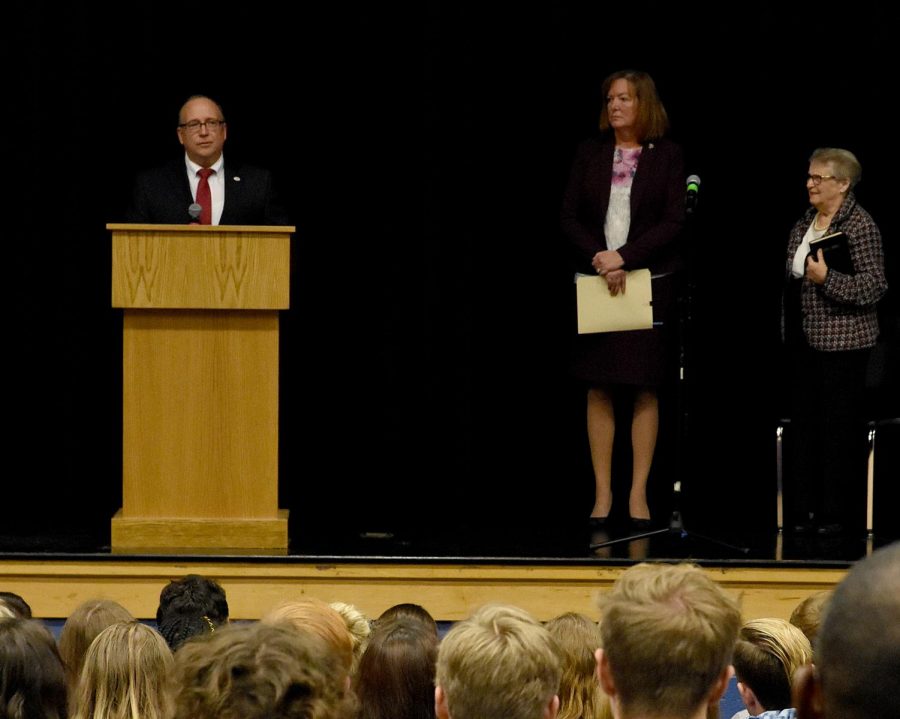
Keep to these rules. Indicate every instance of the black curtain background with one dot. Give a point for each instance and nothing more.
(422, 150)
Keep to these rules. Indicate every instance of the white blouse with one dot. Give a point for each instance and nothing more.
(798, 268)
(618, 213)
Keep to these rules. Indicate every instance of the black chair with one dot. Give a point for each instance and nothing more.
(882, 412)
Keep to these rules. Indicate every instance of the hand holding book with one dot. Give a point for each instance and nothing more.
(835, 252)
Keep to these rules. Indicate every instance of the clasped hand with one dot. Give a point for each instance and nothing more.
(609, 265)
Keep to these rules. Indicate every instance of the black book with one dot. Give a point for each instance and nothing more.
(835, 250)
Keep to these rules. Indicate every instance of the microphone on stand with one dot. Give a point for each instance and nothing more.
(194, 211)
(693, 190)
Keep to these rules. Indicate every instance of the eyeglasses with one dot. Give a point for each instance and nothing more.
(195, 125)
(817, 179)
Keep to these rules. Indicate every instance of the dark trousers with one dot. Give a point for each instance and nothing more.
(828, 461)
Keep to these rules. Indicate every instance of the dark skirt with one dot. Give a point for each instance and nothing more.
(639, 358)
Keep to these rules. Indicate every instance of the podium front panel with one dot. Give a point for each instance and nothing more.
(200, 414)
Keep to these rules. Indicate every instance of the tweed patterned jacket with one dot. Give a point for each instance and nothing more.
(840, 314)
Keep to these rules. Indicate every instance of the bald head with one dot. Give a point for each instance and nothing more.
(858, 646)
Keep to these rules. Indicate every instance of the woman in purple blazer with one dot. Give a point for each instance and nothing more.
(623, 210)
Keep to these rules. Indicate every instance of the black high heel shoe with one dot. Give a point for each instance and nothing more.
(596, 523)
(640, 525)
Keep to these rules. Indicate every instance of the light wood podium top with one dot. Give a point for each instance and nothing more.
(140, 227)
(219, 267)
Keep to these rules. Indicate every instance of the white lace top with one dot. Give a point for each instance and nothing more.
(618, 214)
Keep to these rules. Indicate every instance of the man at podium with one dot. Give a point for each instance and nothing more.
(200, 188)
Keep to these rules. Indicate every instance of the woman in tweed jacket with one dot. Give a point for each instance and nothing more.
(830, 324)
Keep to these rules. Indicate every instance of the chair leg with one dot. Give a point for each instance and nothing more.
(779, 474)
(870, 482)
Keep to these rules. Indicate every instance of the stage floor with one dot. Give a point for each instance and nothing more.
(451, 571)
(534, 542)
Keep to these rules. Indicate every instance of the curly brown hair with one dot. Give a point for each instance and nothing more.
(261, 671)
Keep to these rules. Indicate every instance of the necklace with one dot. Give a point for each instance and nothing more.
(816, 223)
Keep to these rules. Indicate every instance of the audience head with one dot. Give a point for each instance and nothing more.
(82, 627)
(313, 615)
(18, 606)
(32, 676)
(408, 611)
(807, 616)
(127, 674)
(858, 647)
(767, 654)
(358, 625)
(499, 662)
(668, 636)
(395, 679)
(190, 606)
(261, 671)
(580, 695)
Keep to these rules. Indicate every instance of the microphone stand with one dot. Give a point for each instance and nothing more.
(676, 522)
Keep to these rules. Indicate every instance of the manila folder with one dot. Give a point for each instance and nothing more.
(598, 311)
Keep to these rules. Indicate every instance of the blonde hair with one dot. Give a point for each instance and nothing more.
(499, 662)
(766, 656)
(313, 615)
(580, 694)
(82, 627)
(127, 674)
(357, 625)
(668, 635)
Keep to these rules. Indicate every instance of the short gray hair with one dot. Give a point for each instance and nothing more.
(844, 163)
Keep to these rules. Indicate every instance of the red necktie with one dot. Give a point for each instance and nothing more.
(204, 196)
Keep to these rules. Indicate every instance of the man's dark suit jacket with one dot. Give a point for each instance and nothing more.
(163, 195)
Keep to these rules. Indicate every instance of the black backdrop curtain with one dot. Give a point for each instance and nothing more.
(422, 150)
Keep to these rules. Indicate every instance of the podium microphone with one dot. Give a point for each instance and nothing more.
(194, 211)
(693, 189)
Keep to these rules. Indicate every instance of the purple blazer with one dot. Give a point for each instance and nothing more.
(657, 205)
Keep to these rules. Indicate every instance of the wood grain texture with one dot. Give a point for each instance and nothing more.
(449, 591)
(194, 266)
(200, 414)
(155, 534)
(200, 384)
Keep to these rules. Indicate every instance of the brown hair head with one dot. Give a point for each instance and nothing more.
(652, 119)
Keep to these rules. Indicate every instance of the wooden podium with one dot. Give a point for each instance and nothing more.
(200, 385)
